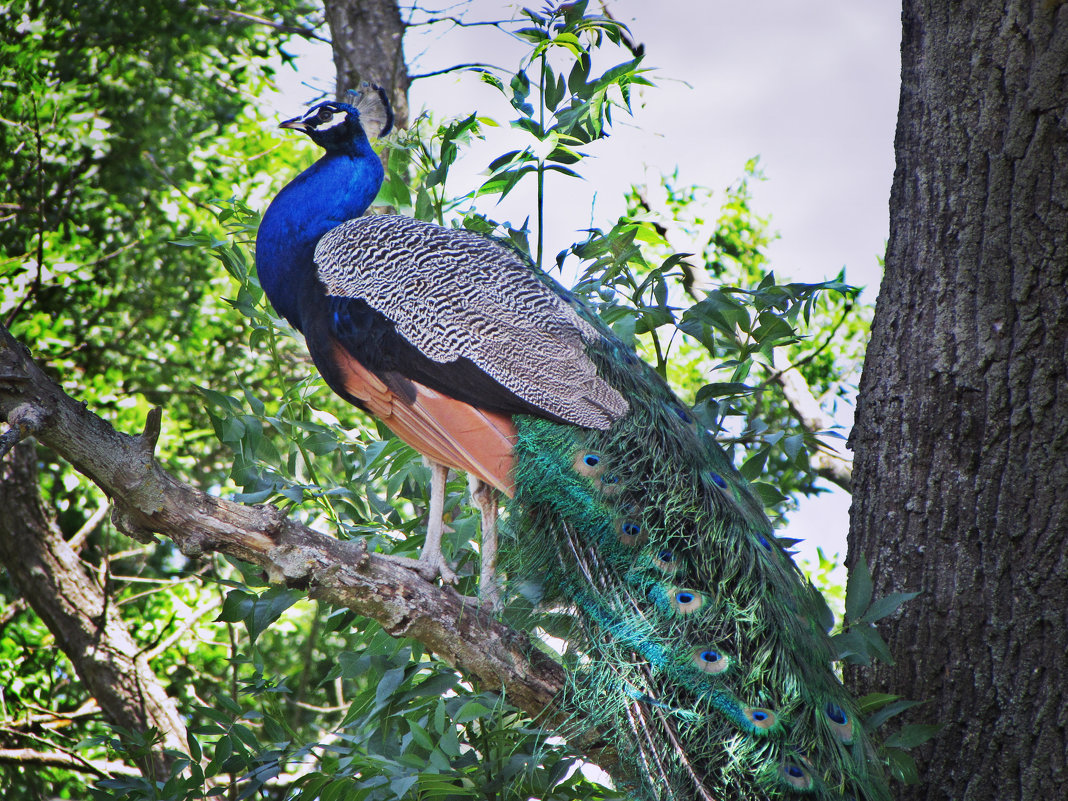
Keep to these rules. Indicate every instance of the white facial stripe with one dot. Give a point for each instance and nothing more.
(334, 122)
(323, 117)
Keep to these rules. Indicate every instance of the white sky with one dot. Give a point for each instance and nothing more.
(809, 87)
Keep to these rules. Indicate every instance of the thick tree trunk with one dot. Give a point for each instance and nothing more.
(961, 472)
(367, 40)
(85, 622)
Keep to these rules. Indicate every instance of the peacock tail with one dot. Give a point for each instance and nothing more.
(704, 657)
(700, 652)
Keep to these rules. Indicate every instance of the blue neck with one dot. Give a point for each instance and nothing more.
(338, 187)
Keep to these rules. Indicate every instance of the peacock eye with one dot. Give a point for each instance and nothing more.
(709, 660)
(665, 561)
(325, 115)
(686, 602)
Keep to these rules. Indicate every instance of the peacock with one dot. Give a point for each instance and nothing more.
(704, 652)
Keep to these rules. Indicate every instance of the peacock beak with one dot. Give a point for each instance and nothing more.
(297, 124)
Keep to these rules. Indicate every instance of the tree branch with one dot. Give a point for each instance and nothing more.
(474, 66)
(58, 759)
(150, 501)
(231, 15)
(831, 467)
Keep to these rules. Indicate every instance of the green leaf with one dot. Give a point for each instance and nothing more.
(472, 710)
(563, 170)
(492, 80)
(871, 702)
(650, 318)
(449, 743)
(554, 87)
(752, 468)
(912, 735)
(724, 389)
(388, 684)
(534, 35)
(890, 710)
(624, 328)
(353, 665)
(257, 611)
(576, 81)
(504, 182)
(902, 766)
(851, 648)
(617, 72)
(424, 205)
(532, 127)
(321, 443)
(858, 590)
(768, 494)
(877, 646)
(510, 159)
(887, 605)
(792, 445)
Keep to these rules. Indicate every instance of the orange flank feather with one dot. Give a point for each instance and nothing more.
(441, 428)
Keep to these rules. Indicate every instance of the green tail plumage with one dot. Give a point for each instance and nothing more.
(704, 652)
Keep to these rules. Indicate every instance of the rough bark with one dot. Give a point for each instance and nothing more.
(74, 607)
(962, 424)
(368, 46)
(150, 501)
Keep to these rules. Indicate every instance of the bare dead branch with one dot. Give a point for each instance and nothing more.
(188, 622)
(459, 23)
(831, 466)
(88, 527)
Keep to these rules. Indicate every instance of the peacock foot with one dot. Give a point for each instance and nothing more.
(428, 566)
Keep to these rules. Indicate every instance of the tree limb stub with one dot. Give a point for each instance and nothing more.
(149, 501)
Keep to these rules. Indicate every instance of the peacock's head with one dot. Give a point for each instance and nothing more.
(335, 126)
(330, 124)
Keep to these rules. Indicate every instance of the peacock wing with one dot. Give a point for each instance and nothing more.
(459, 297)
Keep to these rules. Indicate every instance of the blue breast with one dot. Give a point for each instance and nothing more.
(338, 187)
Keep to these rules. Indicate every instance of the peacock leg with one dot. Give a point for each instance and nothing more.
(485, 497)
(431, 562)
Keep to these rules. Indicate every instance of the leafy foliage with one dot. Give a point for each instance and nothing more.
(132, 279)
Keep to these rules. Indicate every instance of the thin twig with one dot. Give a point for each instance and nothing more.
(190, 621)
(494, 23)
(95, 519)
(224, 15)
(475, 66)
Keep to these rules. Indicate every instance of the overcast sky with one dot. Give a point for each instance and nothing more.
(811, 88)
